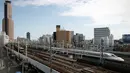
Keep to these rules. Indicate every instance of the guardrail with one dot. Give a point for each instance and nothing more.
(35, 63)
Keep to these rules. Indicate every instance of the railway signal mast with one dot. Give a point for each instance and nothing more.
(26, 48)
(18, 46)
(51, 55)
(101, 51)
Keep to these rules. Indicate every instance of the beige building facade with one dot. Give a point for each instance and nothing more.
(63, 36)
(7, 22)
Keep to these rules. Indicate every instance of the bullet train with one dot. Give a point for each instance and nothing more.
(106, 56)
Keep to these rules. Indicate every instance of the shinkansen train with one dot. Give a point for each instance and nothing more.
(107, 56)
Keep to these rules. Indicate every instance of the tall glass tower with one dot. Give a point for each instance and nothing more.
(7, 22)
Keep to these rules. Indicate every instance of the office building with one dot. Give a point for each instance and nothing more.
(45, 39)
(78, 39)
(105, 42)
(100, 32)
(57, 28)
(64, 36)
(111, 40)
(48, 39)
(54, 36)
(21, 40)
(72, 36)
(7, 22)
(108, 41)
(126, 38)
(28, 35)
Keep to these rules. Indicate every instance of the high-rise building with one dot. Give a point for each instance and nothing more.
(126, 38)
(28, 35)
(7, 22)
(21, 40)
(105, 42)
(99, 33)
(63, 36)
(54, 36)
(78, 39)
(111, 40)
(57, 28)
(45, 39)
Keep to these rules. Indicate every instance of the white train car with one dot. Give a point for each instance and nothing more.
(107, 56)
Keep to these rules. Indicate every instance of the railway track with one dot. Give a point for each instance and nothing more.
(67, 65)
(64, 64)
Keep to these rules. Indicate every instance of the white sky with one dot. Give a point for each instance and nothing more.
(112, 13)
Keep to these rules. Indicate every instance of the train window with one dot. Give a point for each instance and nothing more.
(94, 54)
(105, 55)
(113, 55)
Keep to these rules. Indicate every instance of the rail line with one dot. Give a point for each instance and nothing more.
(69, 64)
(64, 64)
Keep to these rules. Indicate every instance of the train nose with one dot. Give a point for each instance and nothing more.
(121, 59)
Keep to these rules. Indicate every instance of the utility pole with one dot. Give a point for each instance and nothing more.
(36, 44)
(7, 52)
(12, 48)
(50, 57)
(26, 49)
(75, 50)
(101, 52)
(8, 67)
(23, 68)
(18, 46)
(25, 55)
(63, 44)
(1, 52)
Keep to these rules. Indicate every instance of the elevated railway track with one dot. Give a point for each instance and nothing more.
(68, 64)
(64, 64)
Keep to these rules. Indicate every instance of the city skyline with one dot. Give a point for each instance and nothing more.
(43, 16)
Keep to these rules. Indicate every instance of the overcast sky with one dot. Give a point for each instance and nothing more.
(82, 16)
